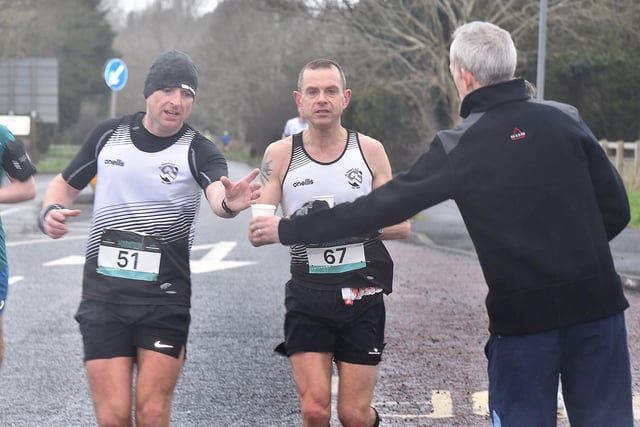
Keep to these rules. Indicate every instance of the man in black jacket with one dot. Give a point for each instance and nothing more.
(541, 200)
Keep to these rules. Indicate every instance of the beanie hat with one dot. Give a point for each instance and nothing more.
(171, 69)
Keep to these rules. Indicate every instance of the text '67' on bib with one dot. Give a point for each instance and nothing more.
(129, 255)
(335, 259)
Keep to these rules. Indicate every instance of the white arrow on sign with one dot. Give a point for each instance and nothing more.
(213, 260)
(115, 75)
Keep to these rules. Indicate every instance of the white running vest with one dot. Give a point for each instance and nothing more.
(153, 193)
(346, 179)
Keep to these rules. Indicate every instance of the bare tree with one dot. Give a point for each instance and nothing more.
(16, 21)
(251, 56)
(407, 42)
(249, 53)
(403, 44)
(163, 25)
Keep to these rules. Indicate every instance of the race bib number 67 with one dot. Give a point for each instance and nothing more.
(129, 255)
(336, 259)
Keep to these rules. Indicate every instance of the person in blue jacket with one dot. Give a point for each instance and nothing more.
(21, 187)
(541, 201)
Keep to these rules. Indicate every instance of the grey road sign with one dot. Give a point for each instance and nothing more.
(29, 86)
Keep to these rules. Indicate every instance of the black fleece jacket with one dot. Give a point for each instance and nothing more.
(538, 195)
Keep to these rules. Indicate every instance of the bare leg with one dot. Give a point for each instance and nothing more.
(157, 378)
(110, 384)
(312, 374)
(355, 394)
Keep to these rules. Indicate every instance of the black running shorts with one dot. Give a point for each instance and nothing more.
(320, 321)
(118, 330)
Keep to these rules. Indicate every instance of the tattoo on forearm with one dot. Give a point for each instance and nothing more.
(265, 171)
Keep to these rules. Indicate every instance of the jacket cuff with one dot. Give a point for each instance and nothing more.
(285, 231)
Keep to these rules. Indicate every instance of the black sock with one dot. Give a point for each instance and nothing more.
(377, 422)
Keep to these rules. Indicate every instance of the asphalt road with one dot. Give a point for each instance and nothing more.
(442, 226)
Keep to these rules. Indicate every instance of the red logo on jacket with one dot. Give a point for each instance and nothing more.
(517, 134)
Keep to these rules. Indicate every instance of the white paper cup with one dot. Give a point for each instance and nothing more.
(262, 210)
(326, 198)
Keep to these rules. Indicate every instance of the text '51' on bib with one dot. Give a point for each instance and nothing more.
(129, 255)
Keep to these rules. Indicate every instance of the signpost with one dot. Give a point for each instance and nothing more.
(115, 76)
(28, 95)
(542, 49)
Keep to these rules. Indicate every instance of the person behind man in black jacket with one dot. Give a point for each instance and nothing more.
(541, 200)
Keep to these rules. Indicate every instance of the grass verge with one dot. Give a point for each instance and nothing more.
(634, 201)
(57, 158)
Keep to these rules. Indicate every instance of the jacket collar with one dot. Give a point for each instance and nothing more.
(488, 97)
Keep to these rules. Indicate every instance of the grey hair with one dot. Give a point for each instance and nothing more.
(322, 63)
(486, 51)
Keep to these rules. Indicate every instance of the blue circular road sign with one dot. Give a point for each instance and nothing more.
(115, 74)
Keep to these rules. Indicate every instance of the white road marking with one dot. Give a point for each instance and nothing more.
(213, 259)
(15, 279)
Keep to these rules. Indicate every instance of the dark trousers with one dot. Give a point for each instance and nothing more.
(591, 360)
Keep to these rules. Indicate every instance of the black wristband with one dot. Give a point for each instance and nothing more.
(227, 209)
(44, 212)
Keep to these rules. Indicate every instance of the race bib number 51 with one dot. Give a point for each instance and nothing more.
(129, 255)
(336, 259)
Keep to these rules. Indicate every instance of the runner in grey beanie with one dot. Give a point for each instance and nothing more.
(171, 69)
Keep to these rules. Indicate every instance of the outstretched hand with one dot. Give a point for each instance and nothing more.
(263, 230)
(54, 223)
(242, 193)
